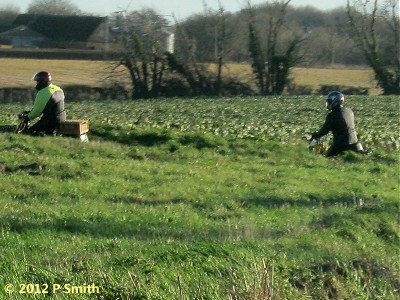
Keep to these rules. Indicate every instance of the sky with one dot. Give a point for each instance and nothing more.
(180, 8)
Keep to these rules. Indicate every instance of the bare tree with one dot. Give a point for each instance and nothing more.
(220, 46)
(271, 64)
(141, 35)
(195, 73)
(8, 14)
(53, 7)
(222, 33)
(366, 19)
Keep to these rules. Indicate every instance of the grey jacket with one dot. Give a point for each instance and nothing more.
(341, 122)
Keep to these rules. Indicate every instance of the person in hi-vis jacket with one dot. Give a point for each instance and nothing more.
(49, 104)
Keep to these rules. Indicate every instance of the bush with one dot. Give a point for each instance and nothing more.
(347, 90)
(174, 86)
(234, 87)
(351, 90)
(20, 95)
(72, 93)
(84, 92)
(293, 89)
(113, 92)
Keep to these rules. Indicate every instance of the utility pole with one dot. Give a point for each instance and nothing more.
(106, 38)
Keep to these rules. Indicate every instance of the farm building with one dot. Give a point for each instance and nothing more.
(55, 31)
(21, 36)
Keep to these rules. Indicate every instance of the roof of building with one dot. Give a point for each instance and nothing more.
(6, 27)
(61, 28)
(21, 31)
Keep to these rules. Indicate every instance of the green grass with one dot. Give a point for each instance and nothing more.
(150, 212)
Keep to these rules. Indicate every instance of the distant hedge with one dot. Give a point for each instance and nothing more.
(71, 54)
(72, 93)
(347, 90)
(170, 89)
(21, 95)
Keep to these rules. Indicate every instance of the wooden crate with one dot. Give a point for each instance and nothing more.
(74, 127)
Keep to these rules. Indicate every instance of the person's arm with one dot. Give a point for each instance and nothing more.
(324, 129)
(39, 104)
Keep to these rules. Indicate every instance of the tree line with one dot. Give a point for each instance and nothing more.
(272, 37)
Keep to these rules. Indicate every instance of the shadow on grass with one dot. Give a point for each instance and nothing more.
(147, 138)
(141, 201)
(138, 227)
(312, 201)
(151, 137)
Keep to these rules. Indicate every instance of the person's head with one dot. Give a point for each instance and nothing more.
(334, 100)
(42, 78)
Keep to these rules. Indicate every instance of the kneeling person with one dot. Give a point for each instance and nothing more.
(49, 104)
(340, 120)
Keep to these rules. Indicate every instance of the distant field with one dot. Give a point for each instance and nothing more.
(18, 72)
(315, 77)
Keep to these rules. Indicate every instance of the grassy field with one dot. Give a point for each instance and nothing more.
(18, 72)
(172, 200)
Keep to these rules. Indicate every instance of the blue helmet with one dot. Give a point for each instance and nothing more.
(334, 99)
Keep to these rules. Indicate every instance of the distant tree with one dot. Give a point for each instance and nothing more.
(187, 63)
(141, 35)
(8, 13)
(53, 7)
(306, 17)
(271, 63)
(327, 39)
(368, 21)
(197, 33)
(221, 45)
(339, 46)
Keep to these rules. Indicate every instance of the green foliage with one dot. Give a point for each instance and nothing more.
(284, 119)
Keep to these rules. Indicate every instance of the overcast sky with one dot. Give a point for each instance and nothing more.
(180, 8)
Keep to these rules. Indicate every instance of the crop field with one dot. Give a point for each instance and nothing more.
(18, 72)
(285, 119)
(201, 199)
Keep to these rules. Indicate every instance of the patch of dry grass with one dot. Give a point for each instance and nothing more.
(18, 72)
(315, 77)
(348, 77)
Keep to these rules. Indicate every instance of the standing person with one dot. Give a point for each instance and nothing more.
(340, 120)
(49, 104)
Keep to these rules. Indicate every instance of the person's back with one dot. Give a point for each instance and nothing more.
(339, 121)
(343, 127)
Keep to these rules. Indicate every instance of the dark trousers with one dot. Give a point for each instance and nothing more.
(48, 125)
(43, 127)
(337, 149)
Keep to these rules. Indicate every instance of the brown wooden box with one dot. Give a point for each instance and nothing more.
(74, 127)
